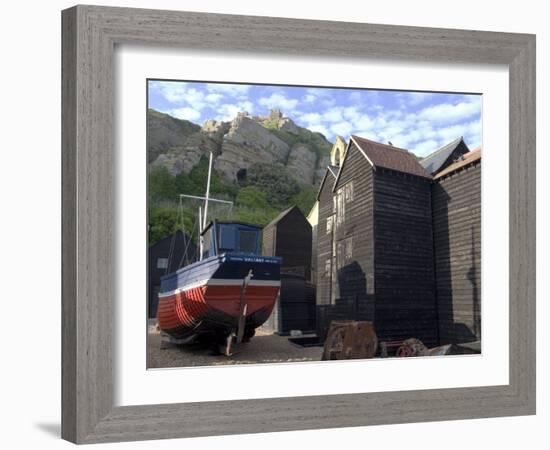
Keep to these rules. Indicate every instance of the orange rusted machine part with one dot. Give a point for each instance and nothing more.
(350, 339)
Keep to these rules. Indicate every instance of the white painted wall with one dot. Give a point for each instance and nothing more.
(30, 168)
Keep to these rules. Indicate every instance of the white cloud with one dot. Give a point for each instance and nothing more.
(333, 115)
(351, 113)
(452, 132)
(336, 120)
(191, 101)
(415, 98)
(318, 92)
(184, 94)
(342, 128)
(449, 112)
(195, 99)
(279, 101)
(321, 129)
(408, 99)
(363, 121)
(235, 90)
(170, 90)
(185, 113)
(247, 106)
(425, 148)
(310, 118)
(413, 134)
(181, 94)
(421, 132)
(392, 131)
(213, 98)
(228, 111)
(368, 134)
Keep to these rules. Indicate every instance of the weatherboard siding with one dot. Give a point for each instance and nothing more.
(289, 237)
(457, 241)
(404, 267)
(402, 250)
(382, 252)
(356, 268)
(324, 243)
(293, 238)
(313, 277)
(348, 248)
(269, 241)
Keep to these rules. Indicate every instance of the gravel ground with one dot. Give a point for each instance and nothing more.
(263, 348)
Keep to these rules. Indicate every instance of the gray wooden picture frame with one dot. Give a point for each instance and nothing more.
(90, 34)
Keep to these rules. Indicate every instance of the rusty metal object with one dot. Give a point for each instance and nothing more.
(415, 347)
(389, 348)
(411, 347)
(350, 339)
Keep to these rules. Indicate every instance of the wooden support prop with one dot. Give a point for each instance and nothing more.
(227, 348)
(350, 339)
(242, 307)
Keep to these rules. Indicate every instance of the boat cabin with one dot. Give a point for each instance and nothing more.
(230, 237)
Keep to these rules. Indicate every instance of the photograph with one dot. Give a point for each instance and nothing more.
(305, 223)
(266, 225)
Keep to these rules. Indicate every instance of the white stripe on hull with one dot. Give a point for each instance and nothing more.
(220, 282)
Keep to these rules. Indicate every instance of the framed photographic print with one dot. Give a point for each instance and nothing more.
(260, 219)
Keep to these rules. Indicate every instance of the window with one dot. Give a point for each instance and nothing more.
(349, 248)
(248, 241)
(227, 238)
(343, 196)
(344, 252)
(162, 263)
(328, 267)
(329, 224)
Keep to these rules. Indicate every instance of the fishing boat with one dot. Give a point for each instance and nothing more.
(225, 295)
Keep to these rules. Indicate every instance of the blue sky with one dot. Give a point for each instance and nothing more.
(419, 122)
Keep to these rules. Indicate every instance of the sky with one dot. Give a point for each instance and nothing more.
(420, 122)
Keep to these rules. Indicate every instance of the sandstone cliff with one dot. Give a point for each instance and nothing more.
(237, 145)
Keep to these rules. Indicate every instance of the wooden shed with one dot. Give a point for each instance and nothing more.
(445, 156)
(289, 236)
(165, 256)
(377, 244)
(337, 153)
(456, 197)
(295, 307)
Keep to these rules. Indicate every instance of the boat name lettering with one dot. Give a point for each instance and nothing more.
(249, 259)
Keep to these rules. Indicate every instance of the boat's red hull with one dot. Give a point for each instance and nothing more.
(214, 308)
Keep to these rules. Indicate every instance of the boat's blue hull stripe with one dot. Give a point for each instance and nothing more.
(233, 266)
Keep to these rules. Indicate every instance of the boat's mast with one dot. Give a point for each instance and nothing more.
(202, 216)
(200, 233)
(207, 192)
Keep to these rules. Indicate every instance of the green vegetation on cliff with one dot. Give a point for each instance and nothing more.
(267, 191)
